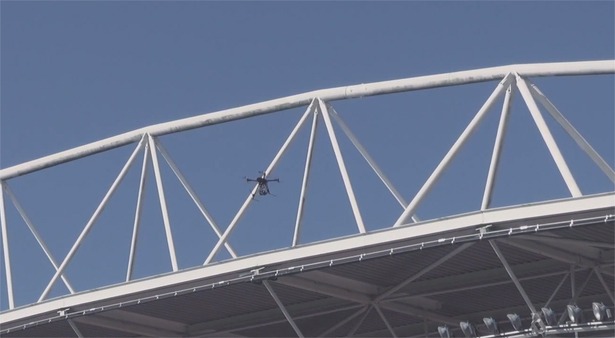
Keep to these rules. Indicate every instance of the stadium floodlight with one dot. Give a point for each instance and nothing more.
(550, 316)
(515, 320)
(600, 311)
(491, 324)
(575, 314)
(468, 329)
(444, 332)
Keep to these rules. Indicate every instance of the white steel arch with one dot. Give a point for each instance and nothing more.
(588, 210)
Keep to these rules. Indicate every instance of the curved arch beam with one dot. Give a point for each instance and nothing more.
(330, 94)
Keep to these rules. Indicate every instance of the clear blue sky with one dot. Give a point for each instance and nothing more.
(76, 72)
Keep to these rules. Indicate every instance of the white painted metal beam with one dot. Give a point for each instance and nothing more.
(36, 235)
(283, 309)
(331, 94)
(163, 203)
(92, 220)
(137, 221)
(497, 148)
(548, 138)
(5, 249)
(530, 212)
(306, 175)
(342, 166)
(270, 168)
(576, 136)
(433, 178)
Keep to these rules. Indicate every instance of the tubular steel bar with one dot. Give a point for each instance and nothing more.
(548, 138)
(342, 166)
(272, 165)
(306, 175)
(135, 228)
(604, 284)
(93, 219)
(35, 233)
(513, 277)
(331, 94)
(386, 322)
(193, 196)
(163, 203)
(453, 150)
(5, 250)
(578, 138)
(343, 322)
(370, 161)
(283, 308)
(497, 148)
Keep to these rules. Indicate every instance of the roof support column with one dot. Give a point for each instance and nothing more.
(92, 220)
(548, 138)
(386, 322)
(370, 160)
(5, 249)
(497, 148)
(306, 175)
(342, 167)
(511, 274)
(281, 306)
(272, 165)
(163, 203)
(135, 229)
(578, 138)
(34, 232)
(193, 196)
(453, 151)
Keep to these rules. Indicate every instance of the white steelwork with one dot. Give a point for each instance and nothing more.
(327, 95)
(497, 148)
(411, 208)
(302, 267)
(5, 251)
(92, 220)
(342, 166)
(549, 140)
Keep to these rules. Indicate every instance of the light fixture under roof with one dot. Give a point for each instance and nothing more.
(549, 316)
(468, 329)
(515, 320)
(575, 314)
(491, 324)
(601, 312)
(444, 331)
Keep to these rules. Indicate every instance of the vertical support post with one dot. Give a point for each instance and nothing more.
(92, 220)
(5, 250)
(512, 276)
(281, 306)
(163, 203)
(193, 196)
(75, 328)
(343, 322)
(306, 175)
(556, 290)
(578, 138)
(370, 160)
(37, 236)
(548, 138)
(249, 199)
(137, 222)
(577, 293)
(386, 322)
(497, 148)
(453, 151)
(606, 287)
(342, 166)
(359, 322)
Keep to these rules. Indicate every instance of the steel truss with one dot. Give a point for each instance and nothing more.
(319, 107)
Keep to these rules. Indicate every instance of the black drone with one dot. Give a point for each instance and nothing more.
(263, 184)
